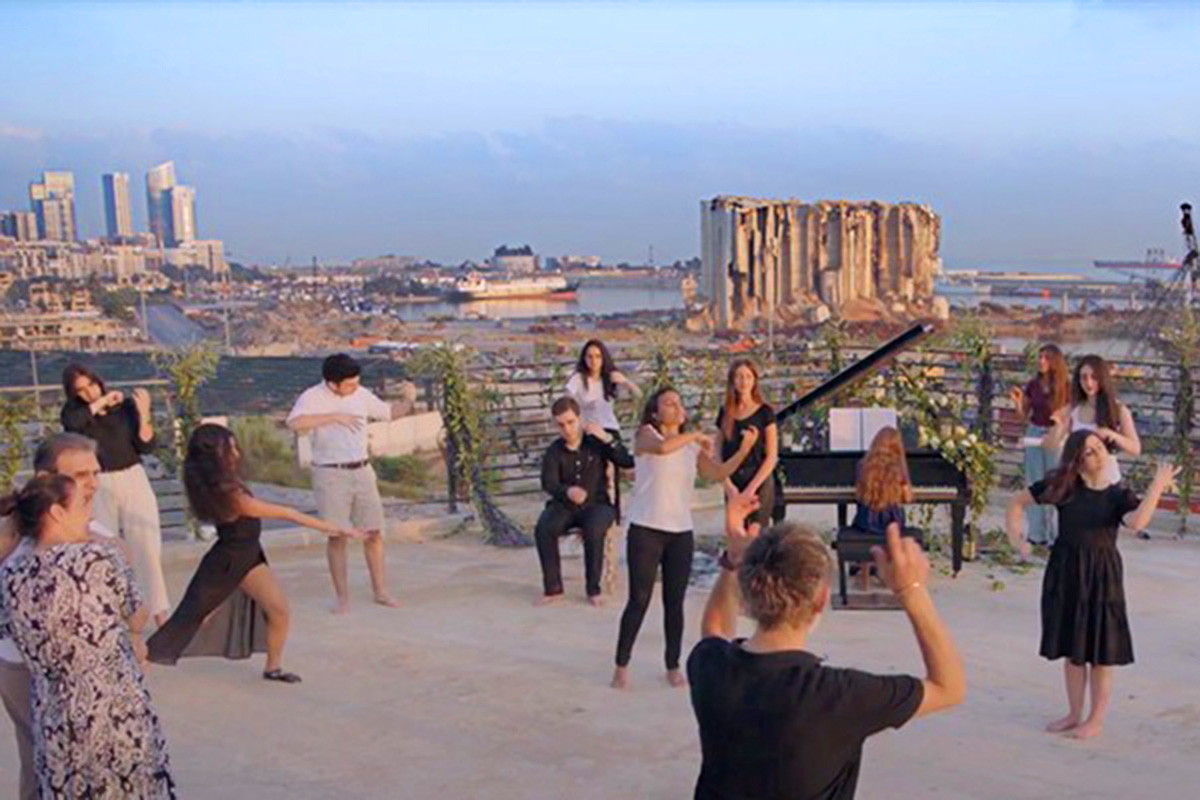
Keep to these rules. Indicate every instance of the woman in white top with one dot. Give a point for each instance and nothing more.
(1094, 406)
(594, 386)
(660, 521)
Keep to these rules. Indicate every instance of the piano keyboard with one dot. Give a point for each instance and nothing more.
(846, 494)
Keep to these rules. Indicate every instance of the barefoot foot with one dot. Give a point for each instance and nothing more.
(1065, 724)
(548, 599)
(385, 599)
(620, 678)
(1087, 730)
(596, 600)
(340, 606)
(676, 678)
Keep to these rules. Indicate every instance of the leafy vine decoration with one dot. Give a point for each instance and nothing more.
(463, 407)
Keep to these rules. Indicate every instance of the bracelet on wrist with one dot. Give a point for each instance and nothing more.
(909, 588)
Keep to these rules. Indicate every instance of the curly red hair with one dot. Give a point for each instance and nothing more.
(883, 480)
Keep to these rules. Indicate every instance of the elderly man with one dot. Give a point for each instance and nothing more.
(73, 455)
(774, 720)
(335, 413)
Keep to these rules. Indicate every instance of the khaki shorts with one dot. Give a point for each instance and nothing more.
(348, 498)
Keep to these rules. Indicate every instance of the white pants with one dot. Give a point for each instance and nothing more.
(126, 505)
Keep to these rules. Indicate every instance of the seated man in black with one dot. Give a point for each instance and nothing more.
(575, 475)
(775, 722)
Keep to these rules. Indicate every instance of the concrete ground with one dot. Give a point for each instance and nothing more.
(470, 692)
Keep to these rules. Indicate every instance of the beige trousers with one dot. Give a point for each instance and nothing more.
(126, 505)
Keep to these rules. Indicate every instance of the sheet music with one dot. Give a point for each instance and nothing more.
(855, 428)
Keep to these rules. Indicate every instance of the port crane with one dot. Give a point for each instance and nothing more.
(1180, 291)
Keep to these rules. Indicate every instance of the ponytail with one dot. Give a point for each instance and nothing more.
(32, 502)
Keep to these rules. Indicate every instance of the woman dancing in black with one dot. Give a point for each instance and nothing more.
(216, 494)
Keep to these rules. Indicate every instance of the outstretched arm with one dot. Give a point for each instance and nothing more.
(714, 470)
(905, 569)
(1014, 522)
(721, 611)
(1164, 478)
(251, 506)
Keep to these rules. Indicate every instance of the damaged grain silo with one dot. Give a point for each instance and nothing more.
(802, 261)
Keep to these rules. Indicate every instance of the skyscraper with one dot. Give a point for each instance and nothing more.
(118, 213)
(53, 200)
(159, 181)
(181, 202)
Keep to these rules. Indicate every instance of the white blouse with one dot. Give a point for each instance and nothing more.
(663, 489)
(593, 405)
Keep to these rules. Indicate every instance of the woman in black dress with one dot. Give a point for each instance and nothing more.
(745, 408)
(217, 494)
(1083, 594)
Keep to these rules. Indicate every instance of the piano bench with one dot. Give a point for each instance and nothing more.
(853, 546)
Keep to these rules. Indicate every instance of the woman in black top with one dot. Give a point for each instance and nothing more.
(1083, 593)
(125, 504)
(744, 408)
(217, 494)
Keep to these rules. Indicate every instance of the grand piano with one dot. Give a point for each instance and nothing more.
(827, 478)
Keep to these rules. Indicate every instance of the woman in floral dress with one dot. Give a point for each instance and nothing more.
(73, 609)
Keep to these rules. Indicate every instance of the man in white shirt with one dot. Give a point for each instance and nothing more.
(335, 413)
(67, 454)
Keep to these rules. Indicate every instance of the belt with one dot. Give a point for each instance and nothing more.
(347, 465)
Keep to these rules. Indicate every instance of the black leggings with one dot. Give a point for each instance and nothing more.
(646, 549)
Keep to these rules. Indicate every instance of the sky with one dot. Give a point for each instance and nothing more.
(1045, 134)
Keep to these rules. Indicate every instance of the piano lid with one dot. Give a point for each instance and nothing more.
(859, 369)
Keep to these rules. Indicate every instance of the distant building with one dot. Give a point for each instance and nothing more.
(181, 227)
(53, 201)
(118, 213)
(207, 254)
(20, 225)
(388, 263)
(579, 262)
(515, 259)
(159, 180)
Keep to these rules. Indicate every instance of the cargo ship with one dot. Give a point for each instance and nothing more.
(510, 287)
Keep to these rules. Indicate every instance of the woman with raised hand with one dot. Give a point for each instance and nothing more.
(595, 385)
(1083, 591)
(126, 504)
(1044, 394)
(668, 459)
(1095, 407)
(217, 494)
(73, 610)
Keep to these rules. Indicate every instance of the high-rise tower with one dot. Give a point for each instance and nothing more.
(53, 201)
(118, 213)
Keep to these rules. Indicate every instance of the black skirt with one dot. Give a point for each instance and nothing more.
(1083, 606)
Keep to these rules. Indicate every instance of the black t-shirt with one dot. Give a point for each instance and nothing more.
(1090, 517)
(761, 419)
(782, 726)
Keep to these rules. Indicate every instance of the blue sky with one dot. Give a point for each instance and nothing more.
(1046, 134)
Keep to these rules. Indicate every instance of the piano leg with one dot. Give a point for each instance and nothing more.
(958, 515)
(841, 515)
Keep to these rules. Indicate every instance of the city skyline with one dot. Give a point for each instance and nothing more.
(1044, 134)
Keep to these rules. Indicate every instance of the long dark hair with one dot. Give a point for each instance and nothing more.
(728, 422)
(1108, 414)
(1063, 480)
(1058, 377)
(650, 409)
(72, 372)
(211, 474)
(30, 504)
(607, 367)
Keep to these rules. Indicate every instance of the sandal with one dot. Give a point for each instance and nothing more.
(281, 676)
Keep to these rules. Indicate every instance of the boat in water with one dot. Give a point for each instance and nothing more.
(476, 286)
